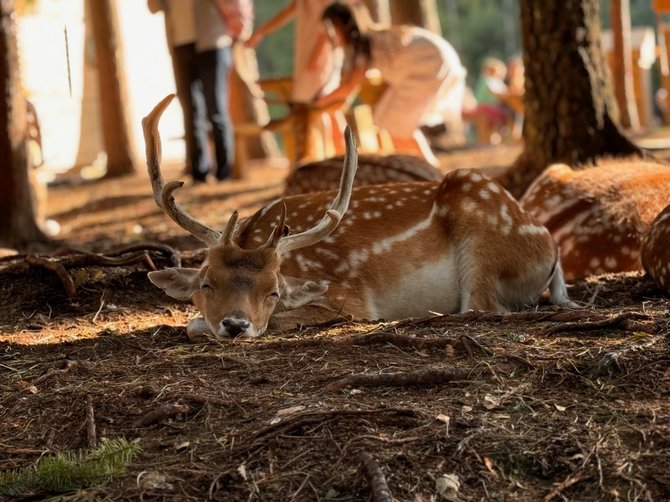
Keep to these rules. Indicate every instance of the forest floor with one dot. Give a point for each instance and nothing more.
(547, 404)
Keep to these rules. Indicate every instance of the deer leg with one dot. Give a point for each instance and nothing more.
(301, 316)
(197, 330)
(558, 292)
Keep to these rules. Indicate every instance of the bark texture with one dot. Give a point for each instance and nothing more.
(569, 104)
(18, 228)
(116, 130)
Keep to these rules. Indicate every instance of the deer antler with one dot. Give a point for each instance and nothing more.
(337, 209)
(163, 192)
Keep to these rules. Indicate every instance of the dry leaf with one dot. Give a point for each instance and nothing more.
(448, 485)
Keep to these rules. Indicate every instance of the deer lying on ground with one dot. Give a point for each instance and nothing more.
(324, 175)
(656, 250)
(598, 215)
(403, 250)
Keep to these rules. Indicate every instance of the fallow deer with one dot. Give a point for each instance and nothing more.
(598, 215)
(321, 175)
(325, 174)
(656, 250)
(403, 250)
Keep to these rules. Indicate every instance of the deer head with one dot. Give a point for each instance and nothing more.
(237, 290)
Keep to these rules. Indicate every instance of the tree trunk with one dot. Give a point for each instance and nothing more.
(569, 105)
(622, 64)
(18, 228)
(116, 129)
(416, 12)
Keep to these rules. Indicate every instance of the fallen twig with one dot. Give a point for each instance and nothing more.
(623, 321)
(427, 376)
(91, 435)
(380, 489)
(466, 340)
(161, 413)
(564, 485)
(479, 316)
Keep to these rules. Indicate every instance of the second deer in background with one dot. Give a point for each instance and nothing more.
(598, 214)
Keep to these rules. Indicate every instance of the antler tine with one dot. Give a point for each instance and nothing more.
(337, 209)
(163, 192)
(227, 235)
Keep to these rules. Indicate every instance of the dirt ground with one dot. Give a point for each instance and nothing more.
(541, 405)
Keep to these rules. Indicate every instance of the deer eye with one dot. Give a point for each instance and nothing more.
(206, 288)
(274, 295)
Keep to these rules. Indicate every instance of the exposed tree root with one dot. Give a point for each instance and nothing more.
(397, 339)
(427, 377)
(299, 420)
(136, 254)
(625, 321)
(380, 489)
(154, 416)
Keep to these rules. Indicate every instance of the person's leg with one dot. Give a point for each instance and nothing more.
(189, 92)
(214, 69)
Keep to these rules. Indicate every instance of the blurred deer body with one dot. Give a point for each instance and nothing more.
(403, 250)
(598, 215)
(656, 250)
(325, 174)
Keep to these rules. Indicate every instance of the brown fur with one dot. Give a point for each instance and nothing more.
(656, 250)
(598, 215)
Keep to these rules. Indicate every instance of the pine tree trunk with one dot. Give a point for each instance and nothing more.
(416, 12)
(18, 228)
(116, 130)
(569, 105)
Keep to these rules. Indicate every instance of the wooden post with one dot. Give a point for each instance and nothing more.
(622, 64)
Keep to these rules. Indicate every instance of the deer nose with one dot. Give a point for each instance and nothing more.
(235, 325)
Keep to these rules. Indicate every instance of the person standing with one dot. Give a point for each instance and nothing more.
(202, 58)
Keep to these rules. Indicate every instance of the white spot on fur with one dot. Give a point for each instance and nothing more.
(530, 229)
(610, 262)
(267, 208)
(385, 245)
(468, 205)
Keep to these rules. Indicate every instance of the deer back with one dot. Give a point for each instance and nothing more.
(598, 215)
(372, 170)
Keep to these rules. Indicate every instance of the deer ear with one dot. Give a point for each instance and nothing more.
(179, 283)
(300, 292)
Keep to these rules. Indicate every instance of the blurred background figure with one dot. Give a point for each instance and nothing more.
(417, 66)
(200, 46)
(316, 67)
(489, 116)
